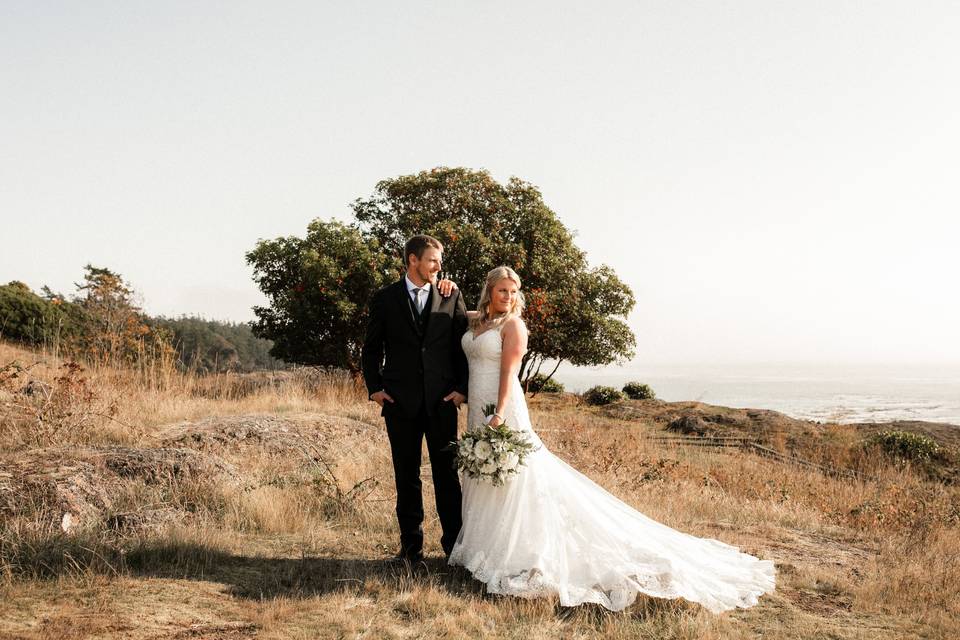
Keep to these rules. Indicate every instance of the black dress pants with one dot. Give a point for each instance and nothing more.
(406, 439)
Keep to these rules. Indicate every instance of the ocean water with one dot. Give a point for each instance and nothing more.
(827, 393)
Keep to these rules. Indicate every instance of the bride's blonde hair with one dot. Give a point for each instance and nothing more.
(483, 307)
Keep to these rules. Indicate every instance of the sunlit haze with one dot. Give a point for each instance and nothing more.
(776, 181)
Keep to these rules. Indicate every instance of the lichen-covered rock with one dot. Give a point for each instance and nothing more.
(303, 435)
(155, 465)
(47, 487)
(78, 487)
(265, 432)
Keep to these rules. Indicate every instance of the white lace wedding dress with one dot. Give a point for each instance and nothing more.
(550, 530)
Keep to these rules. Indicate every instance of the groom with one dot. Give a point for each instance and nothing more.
(415, 369)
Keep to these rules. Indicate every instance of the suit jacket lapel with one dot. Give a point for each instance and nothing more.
(432, 306)
(403, 298)
(434, 299)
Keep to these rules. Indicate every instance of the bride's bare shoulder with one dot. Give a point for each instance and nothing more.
(515, 324)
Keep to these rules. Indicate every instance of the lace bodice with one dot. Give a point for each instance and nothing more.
(483, 355)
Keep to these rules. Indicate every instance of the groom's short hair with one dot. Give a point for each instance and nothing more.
(417, 245)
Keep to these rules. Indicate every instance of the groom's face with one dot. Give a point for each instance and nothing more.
(427, 266)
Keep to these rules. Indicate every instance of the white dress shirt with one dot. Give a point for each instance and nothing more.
(413, 294)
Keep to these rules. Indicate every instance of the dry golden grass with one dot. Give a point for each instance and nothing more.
(287, 539)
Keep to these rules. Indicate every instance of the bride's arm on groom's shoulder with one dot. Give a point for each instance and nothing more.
(446, 287)
(514, 334)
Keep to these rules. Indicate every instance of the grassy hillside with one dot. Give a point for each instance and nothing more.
(165, 505)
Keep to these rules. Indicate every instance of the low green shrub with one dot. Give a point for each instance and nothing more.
(541, 384)
(638, 391)
(601, 395)
(906, 445)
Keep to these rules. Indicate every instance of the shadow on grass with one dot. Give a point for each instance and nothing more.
(260, 578)
(254, 577)
(267, 578)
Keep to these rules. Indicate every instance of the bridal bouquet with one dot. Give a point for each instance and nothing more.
(492, 453)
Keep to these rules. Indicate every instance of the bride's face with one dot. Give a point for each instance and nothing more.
(503, 295)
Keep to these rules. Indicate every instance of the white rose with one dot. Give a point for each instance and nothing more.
(482, 450)
(511, 461)
(488, 467)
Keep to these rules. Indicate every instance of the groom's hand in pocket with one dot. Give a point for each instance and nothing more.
(380, 397)
(456, 398)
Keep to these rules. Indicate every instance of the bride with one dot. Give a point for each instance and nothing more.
(550, 530)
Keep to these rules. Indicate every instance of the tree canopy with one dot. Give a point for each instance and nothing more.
(31, 319)
(102, 322)
(319, 286)
(213, 346)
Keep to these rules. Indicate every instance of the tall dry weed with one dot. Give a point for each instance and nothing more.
(917, 576)
(63, 409)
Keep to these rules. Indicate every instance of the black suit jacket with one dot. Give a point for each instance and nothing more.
(415, 367)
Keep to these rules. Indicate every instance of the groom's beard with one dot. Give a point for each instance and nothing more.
(426, 276)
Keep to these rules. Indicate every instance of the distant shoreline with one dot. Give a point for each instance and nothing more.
(845, 394)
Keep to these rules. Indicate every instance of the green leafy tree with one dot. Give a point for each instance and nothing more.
(209, 346)
(114, 327)
(35, 320)
(318, 288)
(102, 322)
(23, 314)
(575, 313)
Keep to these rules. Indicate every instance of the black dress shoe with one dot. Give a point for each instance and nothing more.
(408, 558)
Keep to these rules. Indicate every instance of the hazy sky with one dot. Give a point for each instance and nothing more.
(777, 181)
